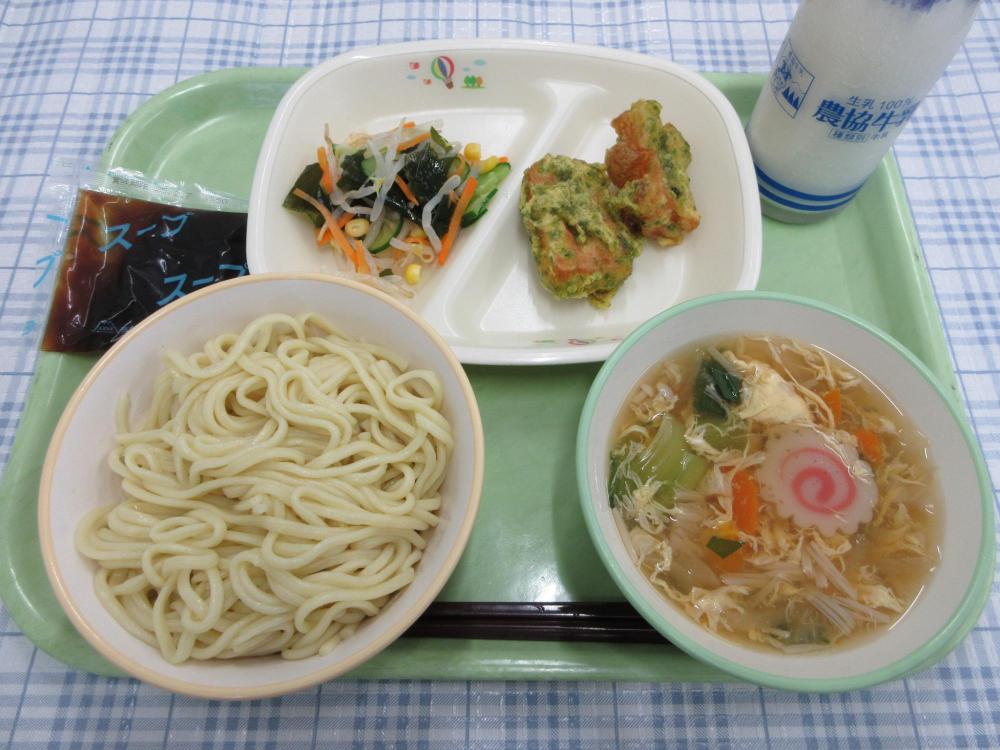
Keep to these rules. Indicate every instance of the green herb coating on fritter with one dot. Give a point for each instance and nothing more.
(581, 247)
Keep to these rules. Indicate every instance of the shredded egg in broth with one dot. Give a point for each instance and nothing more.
(774, 493)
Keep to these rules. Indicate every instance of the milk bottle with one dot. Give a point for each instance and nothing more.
(847, 78)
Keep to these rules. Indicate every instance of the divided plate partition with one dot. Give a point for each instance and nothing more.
(521, 99)
(529, 542)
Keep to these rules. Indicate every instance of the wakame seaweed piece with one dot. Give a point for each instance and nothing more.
(309, 183)
(714, 388)
(352, 171)
(439, 217)
(395, 199)
(723, 547)
(425, 172)
(355, 172)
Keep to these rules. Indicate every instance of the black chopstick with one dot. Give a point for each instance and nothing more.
(605, 622)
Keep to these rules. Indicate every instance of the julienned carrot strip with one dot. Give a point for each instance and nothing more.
(349, 255)
(336, 233)
(347, 248)
(746, 501)
(406, 191)
(456, 220)
(870, 445)
(415, 140)
(832, 399)
(326, 181)
(503, 160)
(360, 264)
(409, 124)
(321, 233)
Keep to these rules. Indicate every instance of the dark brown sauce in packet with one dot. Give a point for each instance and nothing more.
(126, 258)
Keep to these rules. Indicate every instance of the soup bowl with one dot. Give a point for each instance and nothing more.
(76, 477)
(955, 592)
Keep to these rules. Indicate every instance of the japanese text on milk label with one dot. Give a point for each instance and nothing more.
(855, 119)
(858, 119)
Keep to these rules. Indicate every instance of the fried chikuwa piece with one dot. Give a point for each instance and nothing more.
(649, 166)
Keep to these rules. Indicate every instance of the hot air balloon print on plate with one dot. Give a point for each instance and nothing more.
(442, 68)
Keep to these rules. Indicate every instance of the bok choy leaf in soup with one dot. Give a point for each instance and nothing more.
(715, 388)
(724, 434)
(663, 466)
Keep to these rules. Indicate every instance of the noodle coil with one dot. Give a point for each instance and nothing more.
(276, 494)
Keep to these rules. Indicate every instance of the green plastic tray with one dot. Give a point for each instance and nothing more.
(529, 542)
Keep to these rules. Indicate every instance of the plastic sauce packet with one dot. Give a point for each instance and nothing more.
(134, 245)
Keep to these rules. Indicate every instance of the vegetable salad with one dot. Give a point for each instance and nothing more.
(392, 204)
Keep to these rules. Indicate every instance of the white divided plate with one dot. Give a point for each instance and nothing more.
(522, 99)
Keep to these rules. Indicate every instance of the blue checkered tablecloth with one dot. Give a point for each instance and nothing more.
(70, 72)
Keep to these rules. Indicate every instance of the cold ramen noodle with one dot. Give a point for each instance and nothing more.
(276, 493)
(774, 494)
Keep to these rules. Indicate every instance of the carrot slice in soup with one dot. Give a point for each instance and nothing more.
(746, 501)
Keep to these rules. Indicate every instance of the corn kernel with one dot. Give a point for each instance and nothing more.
(418, 232)
(412, 274)
(473, 152)
(357, 228)
(488, 165)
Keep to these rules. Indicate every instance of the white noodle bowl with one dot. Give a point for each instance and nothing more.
(276, 493)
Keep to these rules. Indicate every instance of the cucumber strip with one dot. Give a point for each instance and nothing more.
(485, 190)
(458, 166)
(470, 217)
(391, 227)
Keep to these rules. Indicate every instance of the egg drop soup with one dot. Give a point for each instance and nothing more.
(774, 493)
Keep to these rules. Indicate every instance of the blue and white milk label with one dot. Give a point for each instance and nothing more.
(790, 80)
(846, 80)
